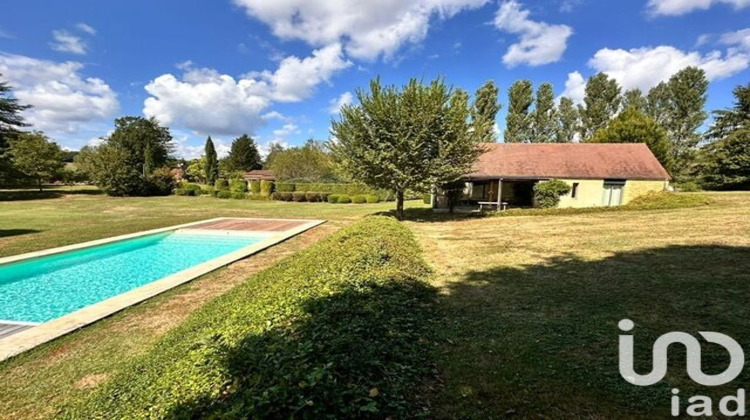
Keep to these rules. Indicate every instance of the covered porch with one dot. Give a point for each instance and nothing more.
(490, 194)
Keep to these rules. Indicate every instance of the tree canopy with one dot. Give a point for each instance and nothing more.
(631, 126)
(484, 112)
(601, 103)
(518, 120)
(409, 138)
(36, 156)
(309, 163)
(243, 155)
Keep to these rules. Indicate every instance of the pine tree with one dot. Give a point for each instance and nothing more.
(544, 117)
(518, 120)
(212, 162)
(602, 101)
(567, 121)
(244, 155)
(484, 112)
(10, 115)
(633, 98)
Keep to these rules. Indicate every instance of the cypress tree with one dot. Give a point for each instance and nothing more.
(212, 162)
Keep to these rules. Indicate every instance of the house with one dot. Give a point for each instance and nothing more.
(259, 175)
(598, 174)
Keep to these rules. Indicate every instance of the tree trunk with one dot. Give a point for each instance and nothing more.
(400, 205)
(39, 183)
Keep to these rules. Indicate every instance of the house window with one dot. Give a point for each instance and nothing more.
(574, 191)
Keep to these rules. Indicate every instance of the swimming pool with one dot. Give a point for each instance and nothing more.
(45, 288)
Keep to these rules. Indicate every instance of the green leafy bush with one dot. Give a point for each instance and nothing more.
(333, 198)
(298, 196)
(547, 193)
(160, 182)
(238, 185)
(276, 195)
(359, 199)
(689, 186)
(284, 186)
(324, 197)
(426, 198)
(183, 192)
(286, 196)
(223, 194)
(255, 187)
(344, 199)
(322, 334)
(208, 190)
(237, 195)
(372, 198)
(266, 188)
(221, 184)
(312, 197)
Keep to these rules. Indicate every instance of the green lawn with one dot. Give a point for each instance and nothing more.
(529, 305)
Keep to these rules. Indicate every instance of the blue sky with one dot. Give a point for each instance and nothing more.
(277, 69)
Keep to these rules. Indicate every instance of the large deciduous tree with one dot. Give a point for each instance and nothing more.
(631, 126)
(243, 155)
(568, 121)
(37, 157)
(212, 162)
(309, 163)
(484, 112)
(543, 119)
(601, 103)
(687, 90)
(148, 143)
(410, 138)
(518, 119)
(634, 99)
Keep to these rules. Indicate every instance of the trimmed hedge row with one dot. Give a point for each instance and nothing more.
(332, 188)
(322, 334)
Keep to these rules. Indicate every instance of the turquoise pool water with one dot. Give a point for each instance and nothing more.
(45, 288)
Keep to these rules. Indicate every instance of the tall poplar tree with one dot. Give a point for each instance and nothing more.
(484, 112)
(567, 121)
(602, 101)
(688, 92)
(658, 104)
(212, 162)
(544, 116)
(518, 120)
(633, 98)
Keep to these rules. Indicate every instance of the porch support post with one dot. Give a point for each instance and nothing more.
(499, 192)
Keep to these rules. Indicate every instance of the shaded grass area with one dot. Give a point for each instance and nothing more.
(37, 383)
(531, 306)
(322, 334)
(72, 215)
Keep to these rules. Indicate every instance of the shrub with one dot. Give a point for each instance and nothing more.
(276, 195)
(326, 325)
(344, 199)
(223, 194)
(160, 182)
(547, 193)
(255, 187)
(266, 188)
(333, 198)
(286, 196)
(284, 186)
(427, 198)
(312, 197)
(359, 199)
(221, 184)
(183, 191)
(239, 195)
(298, 196)
(372, 198)
(194, 188)
(324, 196)
(238, 185)
(208, 190)
(689, 186)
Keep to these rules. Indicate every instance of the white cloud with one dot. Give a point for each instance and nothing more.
(367, 29)
(644, 68)
(540, 43)
(86, 28)
(6, 35)
(681, 7)
(738, 39)
(209, 102)
(345, 98)
(575, 87)
(67, 42)
(64, 100)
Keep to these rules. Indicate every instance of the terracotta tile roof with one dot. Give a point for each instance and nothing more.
(261, 174)
(568, 160)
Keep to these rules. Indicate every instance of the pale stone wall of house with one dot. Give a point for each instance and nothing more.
(637, 188)
(589, 193)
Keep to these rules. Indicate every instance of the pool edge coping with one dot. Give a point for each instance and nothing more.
(47, 331)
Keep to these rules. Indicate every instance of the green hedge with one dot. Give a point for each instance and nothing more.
(322, 334)
(255, 187)
(343, 199)
(238, 185)
(284, 186)
(266, 188)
